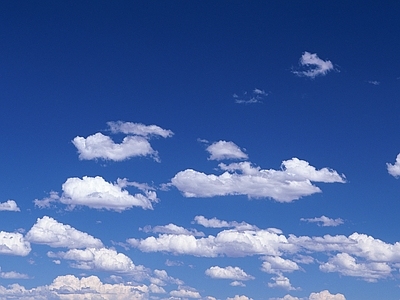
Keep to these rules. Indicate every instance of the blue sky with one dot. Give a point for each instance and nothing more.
(199, 150)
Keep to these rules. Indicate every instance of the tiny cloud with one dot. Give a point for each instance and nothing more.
(324, 221)
(314, 66)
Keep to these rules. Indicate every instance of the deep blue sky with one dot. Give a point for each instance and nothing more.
(67, 68)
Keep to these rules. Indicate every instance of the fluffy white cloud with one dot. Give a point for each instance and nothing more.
(326, 295)
(288, 297)
(14, 244)
(225, 150)
(9, 205)
(281, 281)
(237, 283)
(50, 232)
(97, 193)
(101, 146)
(277, 265)
(13, 275)
(324, 221)
(233, 273)
(347, 265)
(318, 67)
(394, 169)
(172, 229)
(216, 223)
(286, 185)
(162, 278)
(102, 259)
(237, 297)
(138, 129)
(184, 293)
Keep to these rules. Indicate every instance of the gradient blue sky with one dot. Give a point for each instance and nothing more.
(199, 150)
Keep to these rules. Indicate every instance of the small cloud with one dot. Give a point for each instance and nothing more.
(374, 82)
(256, 96)
(225, 150)
(324, 221)
(315, 66)
(394, 169)
(10, 205)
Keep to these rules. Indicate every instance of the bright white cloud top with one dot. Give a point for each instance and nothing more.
(14, 244)
(290, 183)
(394, 169)
(225, 150)
(9, 205)
(233, 273)
(317, 66)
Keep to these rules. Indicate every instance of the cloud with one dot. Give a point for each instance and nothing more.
(281, 281)
(317, 66)
(13, 275)
(290, 183)
(288, 297)
(237, 283)
(225, 150)
(14, 244)
(277, 265)
(326, 295)
(216, 223)
(102, 146)
(9, 205)
(54, 234)
(374, 82)
(394, 169)
(162, 278)
(101, 259)
(256, 96)
(172, 229)
(184, 293)
(233, 273)
(95, 192)
(237, 297)
(325, 221)
(139, 129)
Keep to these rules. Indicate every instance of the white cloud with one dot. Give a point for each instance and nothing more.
(347, 265)
(216, 223)
(13, 275)
(326, 295)
(281, 281)
(325, 221)
(14, 244)
(288, 297)
(237, 283)
(374, 82)
(237, 297)
(233, 273)
(225, 150)
(292, 182)
(54, 234)
(138, 129)
(317, 66)
(162, 278)
(277, 265)
(102, 259)
(9, 205)
(172, 229)
(184, 293)
(102, 146)
(256, 96)
(97, 193)
(394, 169)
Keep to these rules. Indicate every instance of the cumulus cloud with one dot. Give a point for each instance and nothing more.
(288, 297)
(326, 295)
(161, 277)
(292, 182)
(9, 205)
(95, 192)
(324, 221)
(281, 281)
(54, 234)
(216, 223)
(237, 283)
(277, 265)
(101, 259)
(225, 150)
(13, 275)
(14, 244)
(233, 273)
(100, 146)
(237, 297)
(255, 96)
(394, 169)
(172, 229)
(185, 293)
(316, 66)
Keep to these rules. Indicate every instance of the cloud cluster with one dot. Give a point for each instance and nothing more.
(9, 205)
(100, 146)
(317, 66)
(292, 182)
(95, 192)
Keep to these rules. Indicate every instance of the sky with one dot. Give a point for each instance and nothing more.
(229, 150)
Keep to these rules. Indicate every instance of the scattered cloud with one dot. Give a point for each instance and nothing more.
(233, 273)
(225, 150)
(394, 169)
(326, 295)
(281, 281)
(278, 265)
(54, 234)
(324, 221)
(216, 223)
(171, 229)
(184, 293)
(13, 275)
(255, 96)
(95, 192)
(14, 244)
(9, 205)
(139, 129)
(237, 283)
(316, 66)
(292, 182)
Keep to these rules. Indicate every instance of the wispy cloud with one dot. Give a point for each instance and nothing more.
(313, 66)
(324, 221)
(255, 96)
(374, 82)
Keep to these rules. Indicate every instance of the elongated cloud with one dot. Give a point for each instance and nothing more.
(97, 193)
(216, 223)
(233, 273)
(324, 221)
(225, 150)
(172, 229)
(54, 234)
(9, 205)
(290, 183)
(184, 293)
(317, 66)
(14, 244)
(394, 169)
(139, 129)
(278, 265)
